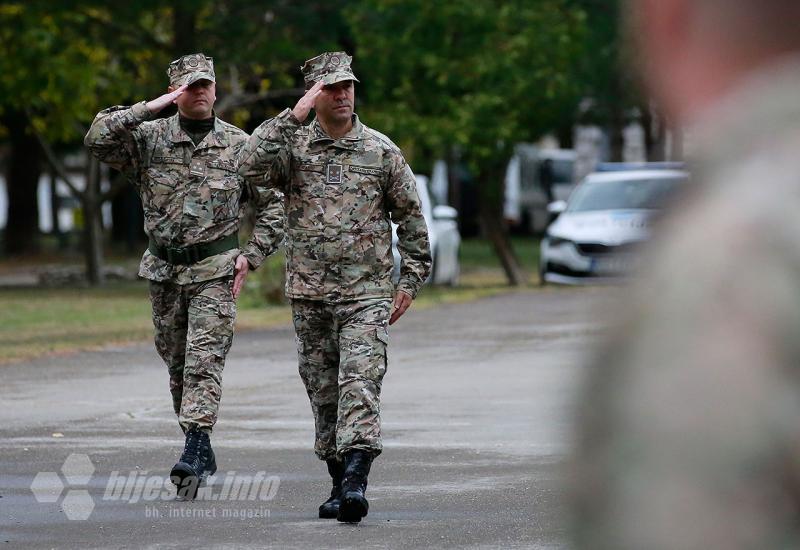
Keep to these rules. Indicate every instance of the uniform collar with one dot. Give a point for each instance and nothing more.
(215, 138)
(355, 134)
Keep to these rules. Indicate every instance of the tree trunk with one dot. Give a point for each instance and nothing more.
(676, 144)
(453, 185)
(654, 133)
(616, 134)
(493, 225)
(22, 182)
(93, 223)
(184, 27)
(127, 216)
(566, 135)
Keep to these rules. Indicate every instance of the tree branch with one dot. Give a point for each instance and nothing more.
(61, 171)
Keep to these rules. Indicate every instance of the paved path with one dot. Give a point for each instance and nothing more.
(476, 424)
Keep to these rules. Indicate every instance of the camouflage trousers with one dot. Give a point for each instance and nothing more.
(193, 333)
(342, 357)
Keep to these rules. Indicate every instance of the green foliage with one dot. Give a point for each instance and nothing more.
(478, 74)
(606, 74)
(55, 63)
(267, 285)
(65, 61)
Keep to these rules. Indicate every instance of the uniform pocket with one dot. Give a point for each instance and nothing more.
(227, 310)
(305, 266)
(224, 197)
(160, 189)
(382, 336)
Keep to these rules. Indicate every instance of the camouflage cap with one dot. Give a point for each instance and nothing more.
(191, 68)
(330, 67)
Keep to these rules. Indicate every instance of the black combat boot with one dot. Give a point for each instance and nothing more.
(195, 464)
(354, 505)
(330, 508)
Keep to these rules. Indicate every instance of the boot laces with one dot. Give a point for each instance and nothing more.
(192, 448)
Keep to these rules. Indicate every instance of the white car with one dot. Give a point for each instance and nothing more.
(598, 229)
(444, 236)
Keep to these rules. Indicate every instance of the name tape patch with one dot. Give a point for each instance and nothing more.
(310, 167)
(168, 160)
(221, 164)
(366, 170)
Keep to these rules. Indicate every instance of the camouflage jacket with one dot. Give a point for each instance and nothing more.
(340, 196)
(181, 208)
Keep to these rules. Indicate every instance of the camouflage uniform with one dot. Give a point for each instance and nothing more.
(339, 198)
(688, 436)
(191, 195)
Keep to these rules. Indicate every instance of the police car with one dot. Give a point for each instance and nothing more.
(605, 220)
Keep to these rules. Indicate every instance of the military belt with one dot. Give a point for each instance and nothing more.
(193, 253)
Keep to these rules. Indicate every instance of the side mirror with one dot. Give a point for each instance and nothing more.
(444, 212)
(556, 207)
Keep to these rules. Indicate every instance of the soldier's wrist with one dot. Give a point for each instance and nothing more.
(289, 116)
(254, 258)
(141, 112)
(404, 285)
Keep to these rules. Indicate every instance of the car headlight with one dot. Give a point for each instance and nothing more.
(557, 241)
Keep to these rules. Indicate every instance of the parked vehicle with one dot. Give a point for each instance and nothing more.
(650, 165)
(534, 178)
(444, 236)
(599, 229)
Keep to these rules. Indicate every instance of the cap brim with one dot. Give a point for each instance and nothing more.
(194, 77)
(340, 76)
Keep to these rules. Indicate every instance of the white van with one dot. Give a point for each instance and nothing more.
(535, 177)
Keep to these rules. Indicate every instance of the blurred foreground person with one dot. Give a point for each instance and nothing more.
(689, 433)
(185, 169)
(343, 183)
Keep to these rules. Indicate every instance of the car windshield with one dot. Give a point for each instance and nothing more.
(646, 193)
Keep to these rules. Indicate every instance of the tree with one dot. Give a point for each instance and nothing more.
(610, 84)
(51, 76)
(60, 64)
(478, 74)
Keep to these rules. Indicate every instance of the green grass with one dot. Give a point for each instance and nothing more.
(36, 322)
(480, 266)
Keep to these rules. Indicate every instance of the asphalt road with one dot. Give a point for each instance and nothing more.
(476, 424)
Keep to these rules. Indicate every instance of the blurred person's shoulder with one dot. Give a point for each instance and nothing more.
(739, 222)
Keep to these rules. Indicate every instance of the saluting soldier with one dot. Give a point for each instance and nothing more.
(343, 184)
(185, 169)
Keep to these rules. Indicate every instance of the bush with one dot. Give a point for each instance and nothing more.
(270, 280)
